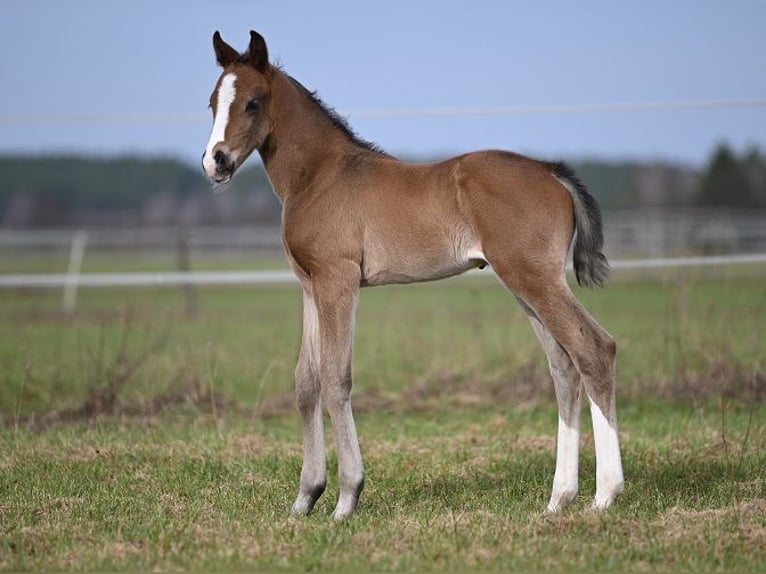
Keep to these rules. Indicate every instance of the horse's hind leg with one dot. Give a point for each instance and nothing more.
(592, 351)
(566, 382)
(307, 390)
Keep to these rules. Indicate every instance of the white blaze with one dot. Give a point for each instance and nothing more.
(226, 93)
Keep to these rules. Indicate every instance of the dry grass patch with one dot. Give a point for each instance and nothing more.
(747, 518)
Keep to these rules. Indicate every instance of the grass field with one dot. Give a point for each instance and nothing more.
(152, 431)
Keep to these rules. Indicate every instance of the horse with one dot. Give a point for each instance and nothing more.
(354, 216)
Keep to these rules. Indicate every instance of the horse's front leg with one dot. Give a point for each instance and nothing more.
(307, 390)
(335, 294)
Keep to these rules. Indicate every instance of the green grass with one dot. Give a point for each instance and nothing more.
(193, 461)
(447, 490)
(468, 333)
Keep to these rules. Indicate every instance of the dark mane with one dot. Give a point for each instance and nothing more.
(337, 120)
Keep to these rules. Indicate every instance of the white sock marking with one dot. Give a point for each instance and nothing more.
(226, 94)
(609, 479)
(565, 480)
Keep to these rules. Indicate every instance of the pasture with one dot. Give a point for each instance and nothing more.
(140, 434)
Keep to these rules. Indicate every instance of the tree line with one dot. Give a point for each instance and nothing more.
(73, 190)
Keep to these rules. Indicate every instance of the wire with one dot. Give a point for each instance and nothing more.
(447, 111)
(562, 109)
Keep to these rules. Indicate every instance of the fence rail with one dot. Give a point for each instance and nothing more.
(172, 278)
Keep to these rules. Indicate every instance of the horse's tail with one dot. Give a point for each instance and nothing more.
(590, 265)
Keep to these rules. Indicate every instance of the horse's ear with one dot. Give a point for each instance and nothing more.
(224, 53)
(259, 55)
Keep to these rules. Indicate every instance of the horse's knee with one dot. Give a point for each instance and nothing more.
(336, 390)
(335, 402)
(307, 392)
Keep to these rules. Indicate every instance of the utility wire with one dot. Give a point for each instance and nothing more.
(445, 111)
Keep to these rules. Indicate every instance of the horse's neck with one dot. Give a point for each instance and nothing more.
(303, 142)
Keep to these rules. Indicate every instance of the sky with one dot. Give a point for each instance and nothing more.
(149, 66)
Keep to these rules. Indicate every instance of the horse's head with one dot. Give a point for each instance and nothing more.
(240, 104)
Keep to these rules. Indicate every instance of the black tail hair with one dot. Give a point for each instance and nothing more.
(590, 264)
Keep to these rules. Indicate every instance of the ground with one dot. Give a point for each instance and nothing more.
(155, 429)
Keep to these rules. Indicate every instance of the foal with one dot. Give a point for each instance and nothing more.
(353, 216)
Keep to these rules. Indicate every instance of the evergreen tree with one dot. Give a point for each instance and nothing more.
(725, 182)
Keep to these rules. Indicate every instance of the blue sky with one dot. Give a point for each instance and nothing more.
(65, 57)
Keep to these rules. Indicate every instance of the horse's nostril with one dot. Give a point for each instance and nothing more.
(220, 158)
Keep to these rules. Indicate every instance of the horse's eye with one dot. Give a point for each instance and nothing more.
(253, 105)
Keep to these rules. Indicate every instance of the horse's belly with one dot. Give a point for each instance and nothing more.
(413, 266)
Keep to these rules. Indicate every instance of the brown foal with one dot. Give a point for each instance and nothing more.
(353, 216)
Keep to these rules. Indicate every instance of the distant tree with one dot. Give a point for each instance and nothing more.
(730, 181)
(74, 190)
(755, 168)
(631, 184)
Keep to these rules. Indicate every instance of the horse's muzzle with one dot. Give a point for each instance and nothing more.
(222, 168)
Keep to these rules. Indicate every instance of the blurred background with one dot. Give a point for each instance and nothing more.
(172, 439)
(659, 106)
(128, 288)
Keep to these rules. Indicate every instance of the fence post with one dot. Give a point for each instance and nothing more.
(76, 253)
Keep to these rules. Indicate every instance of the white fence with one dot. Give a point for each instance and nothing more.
(634, 240)
(627, 234)
(660, 233)
(73, 279)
